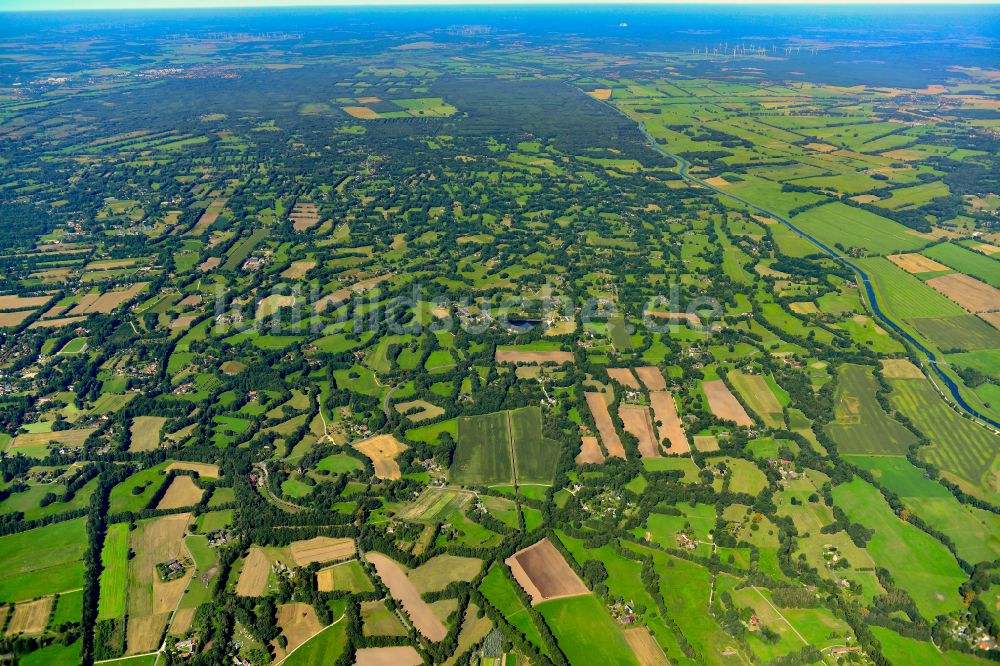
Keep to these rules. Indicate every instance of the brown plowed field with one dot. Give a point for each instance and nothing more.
(652, 378)
(624, 377)
(599, 410)
(510, 356)
(590, 451)
(400, 587)
(669, 428)
(970, 293)
(724, 404)
(543, 573)
(636, 420)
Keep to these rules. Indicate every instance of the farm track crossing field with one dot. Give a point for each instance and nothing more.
(483, 453)
(42, 561)
(400, 587)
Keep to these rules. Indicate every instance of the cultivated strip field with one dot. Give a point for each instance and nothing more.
(624, 377)
(599, 410)
(207, 470)
(590, 451)
(533, 357)
(182, 492)
(383, 450)
(759, 396)
(916, 263)
(30, 617)
(400, 655)
(636, 421)
(400, 587)
(543, 573)
(970, 293)
(652, 378)
(253, 577)
(321, 549)
(724, 404)
(668, 423)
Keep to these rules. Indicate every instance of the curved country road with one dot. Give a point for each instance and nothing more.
(872, 298)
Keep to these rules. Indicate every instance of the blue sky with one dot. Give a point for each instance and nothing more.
(27, 5)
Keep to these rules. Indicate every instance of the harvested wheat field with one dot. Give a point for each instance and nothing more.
(652, 378)
(900, 368)
(602, 94)
(624, 377)
(183, 619)
(56, 323)
(150, 600)
(30, 617)
(992, 318)
(298, 624)
(304, 216)
(253, 577)
(540, 357)
(14, 318)
(717, 181)
(340, 295)
(361, 112)
(382, 450)
(636, 420)
(145, 433)
(64, 438)
(401, 655)
(970, 293)
(645, 647)
(986, 248)
(182, 323)
(208, 217)
(298, 269)
(209, 264)
(675, 317)
(182, 492)
(400, 587)
(590, 451)
(543, 573)
(599, 410)
(108, 301)
(724, 404)
(706, 443)
(22, 302)
(321, 549)
(207, 470)
(916, 263)
(668, 423)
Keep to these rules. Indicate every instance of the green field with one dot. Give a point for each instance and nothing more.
(351, 577)
(114, 573)
(56, 654)
(963, 332)
(966, 261)
(840, 224)
(535, 456)
(585, 632)
(483, 453)
(69, 608)
(122, 497)
(861, 426)
(975, 533)
(323, 648)
(967, 453)
(42, 561)
(919, 564)
(499, 591)
(758, 395)
(904, 651)
(903, 295)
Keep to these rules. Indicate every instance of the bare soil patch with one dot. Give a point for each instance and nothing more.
(605, 426)
(383, 450)
(900, 368)
(689, 317)
(624, 377)
(321, 549)
(590, 451)
(916, 263)
(402, 655)
(182, 492)
(510, 356)
(30, 617)
(400, 587)
(668, 423)
(724, 404)
(209, 264)
(636, 420)
(182, 323)
(543, 573)
(970, 293)
(304, 216)
(652, 378)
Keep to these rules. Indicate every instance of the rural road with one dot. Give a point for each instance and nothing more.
(262, 466)
(682, 171)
